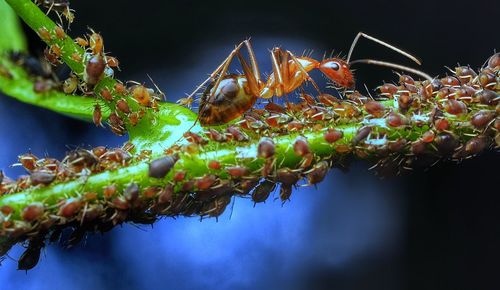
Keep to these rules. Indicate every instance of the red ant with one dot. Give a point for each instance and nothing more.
(228, 96)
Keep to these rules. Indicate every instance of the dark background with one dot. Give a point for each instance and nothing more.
(433, 229)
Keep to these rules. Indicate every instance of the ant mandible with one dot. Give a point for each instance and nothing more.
(228, 96)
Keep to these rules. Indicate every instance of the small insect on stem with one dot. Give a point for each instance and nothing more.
(228, 96)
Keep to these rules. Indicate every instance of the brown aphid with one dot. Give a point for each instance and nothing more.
(482, 118)
(214, 164)
(106, 95)
(28, 161)
(465, 74)
(476, 145)
(56, 50)
(275, 108)
(6, 210)
(142, 95)
(406, 80)
(404, 101)
(487, 79)
(120, 203)
(109, 191)
(116, 124)
(70, 207)
(445, 92)
(374, 108)
(301, 146)
(179, 175)
(70, 85)
(237, 134)
(96, 43)
(395, 119)
(205, 182)
(188, 185)
(120, 89)
(333, 135)
(263, 190)
(131, 193)
(494, 62)
(94, 70)
(441, 124)
(42, 176)
(237, 171)
(195, 138)
(418, 147)
(294, 126)
(488, 97)
(51, 57)
(44, 34)
(318, 172)
(99, 151)
(215, 135)
(358, 97)
(122, 106)
(428, 136)
(450, 81)
(361, 134)
(81, 42)
(455, 107)
(97, 115)
(287, 176)
(446, 143)
(112, 61)
(166, 195)
(81, 158)
(134, 119)
(43, 85)
(388, 90)
(159, 168)
(497, 124)
(266, 148)
(397, 145)
(32, 212)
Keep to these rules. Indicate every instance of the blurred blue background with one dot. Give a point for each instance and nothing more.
(434, 229)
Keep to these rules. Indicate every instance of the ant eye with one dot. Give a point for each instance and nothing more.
(332, 65)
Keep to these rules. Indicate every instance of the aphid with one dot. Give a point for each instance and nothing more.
(29, 259)
(106, 95)
(488, 97)
(494, 62)
(44, 34)
(441, 124)
(70, 207)
(374, 108)
(228, 96)
(215, 135)
(194, 138)
(476, 145)
(134, 118)
(81, 158)
(97, 115)
(295, 126)
(237, 134)
(96, 43)
(81, 42)
(205, 182)
(159, 168)
(109, 191)
(404, 101)
(333, 135)
(285, 192)
(32, 212)
(287, 176)
(116, 124)
(362, 134)
(465, 74)
(42, 176)
(237, 171)
(120, 89)
(179, 175)
(328, 100)
(166, 194)
(266, 148)
(112, 61)
(263, 190)
(418, 147)
(397, 145)
(142, 95)
(388, 90)
(214, 164)
(428, 136)
(51, 57)
(122, 106)
(70, 84)
(28, 161)
(43, 85)
(94, 70)
(131, 193)
(482, 118)
(446, 143)
(76, 57)
(301, 146)
(450, 81)
(395, 119)
(455, 107)
(318, 172)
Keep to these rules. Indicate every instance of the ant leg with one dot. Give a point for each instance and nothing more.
(390, 46)
(395, 66)
(253, 83)
(220, 70)
(253, 61)
(303, 70)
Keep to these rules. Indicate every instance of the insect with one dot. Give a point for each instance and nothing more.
(228, 96)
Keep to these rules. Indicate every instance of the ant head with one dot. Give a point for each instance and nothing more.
(338, 71)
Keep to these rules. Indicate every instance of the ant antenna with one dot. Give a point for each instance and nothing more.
(395, 66)
(390, 46)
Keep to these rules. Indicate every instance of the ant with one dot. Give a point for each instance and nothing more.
(228, 96)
